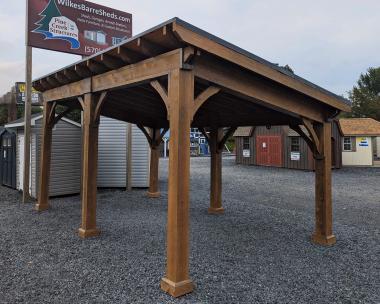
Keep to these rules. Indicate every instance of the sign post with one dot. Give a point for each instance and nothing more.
(28, 112)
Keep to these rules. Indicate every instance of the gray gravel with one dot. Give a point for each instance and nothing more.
(259, 251)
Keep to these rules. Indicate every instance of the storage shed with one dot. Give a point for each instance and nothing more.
(113, 155)
(281, 146)
(361, 141)
(66, 148)
(8, 158)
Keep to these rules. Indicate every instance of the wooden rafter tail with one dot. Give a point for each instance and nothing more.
(148, 137)
(227, 135)
(313, 135)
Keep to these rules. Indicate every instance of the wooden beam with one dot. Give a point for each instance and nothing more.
(203, 43)
(162, 92)
(147, 135)
(100, 104)
(61, 78)
(226, 136)
(258, 90)
(58, 117)
(203, 131)
(323, 234)
(203, 97)
(305, 137)
(68, 91)
(136, 73)
(181, 96)
(313, 135)
(89, 168)
(45, 160)
(153, 191)
(216, 136)
(147, 47)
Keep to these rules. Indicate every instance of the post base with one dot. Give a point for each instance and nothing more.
(40, 207)
(216, 210)
(154, 194)
(177, 289)
(323, 240)
(87, 233)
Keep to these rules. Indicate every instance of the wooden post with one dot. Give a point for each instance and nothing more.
(27, 126)
(89, 168)
(45, 161)
(153, 191)
(323, 194)
(181, 96)
(216, 136)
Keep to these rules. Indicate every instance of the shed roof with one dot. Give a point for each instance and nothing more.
(34, 117)
(359, 126)
(148, 44)
(243, 132)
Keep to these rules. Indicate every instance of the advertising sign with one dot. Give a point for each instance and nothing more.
(295, 156)
(246, 153)
(76, 26)
(363, 142)
(20, 94)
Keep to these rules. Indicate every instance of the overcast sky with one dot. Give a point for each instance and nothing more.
(329, 42)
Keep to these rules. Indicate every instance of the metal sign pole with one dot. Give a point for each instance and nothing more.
(28, 111)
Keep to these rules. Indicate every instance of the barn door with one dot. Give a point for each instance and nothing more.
(269, 151)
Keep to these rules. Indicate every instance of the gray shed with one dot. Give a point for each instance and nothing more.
(112, 155)
(66, 155)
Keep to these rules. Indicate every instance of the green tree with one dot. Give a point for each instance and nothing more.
(51, 10)
(365, 96)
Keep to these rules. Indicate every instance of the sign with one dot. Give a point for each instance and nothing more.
(246, 153)
(295, 156)
(20, 94)
(363, 142)
(76, 26)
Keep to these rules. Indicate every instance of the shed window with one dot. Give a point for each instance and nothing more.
(347, 144)
(246, 143)
(295, 144)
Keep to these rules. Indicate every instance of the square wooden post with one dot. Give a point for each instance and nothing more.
(216, 136)
(45, 161)
(153, 191)
(181, 96)
(89, 168)
(323, 234)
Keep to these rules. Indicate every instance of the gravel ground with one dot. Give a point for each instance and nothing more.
(259, 251)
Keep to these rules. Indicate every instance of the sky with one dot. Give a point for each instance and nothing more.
(329, 42)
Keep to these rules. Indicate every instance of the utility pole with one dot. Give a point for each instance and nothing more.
(28, 111)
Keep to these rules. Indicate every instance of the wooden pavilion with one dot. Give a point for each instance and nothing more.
(177, 76)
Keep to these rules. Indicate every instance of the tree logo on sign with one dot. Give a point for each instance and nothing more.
(55, 26)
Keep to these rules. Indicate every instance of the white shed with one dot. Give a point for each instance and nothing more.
(360, 142)
(66, 155)
(112, 155)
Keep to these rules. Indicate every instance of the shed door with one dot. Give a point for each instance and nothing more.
(8, 161)
(269, 151)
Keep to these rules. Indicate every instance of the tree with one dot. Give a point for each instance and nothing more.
(365, 96)
(51, 10)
